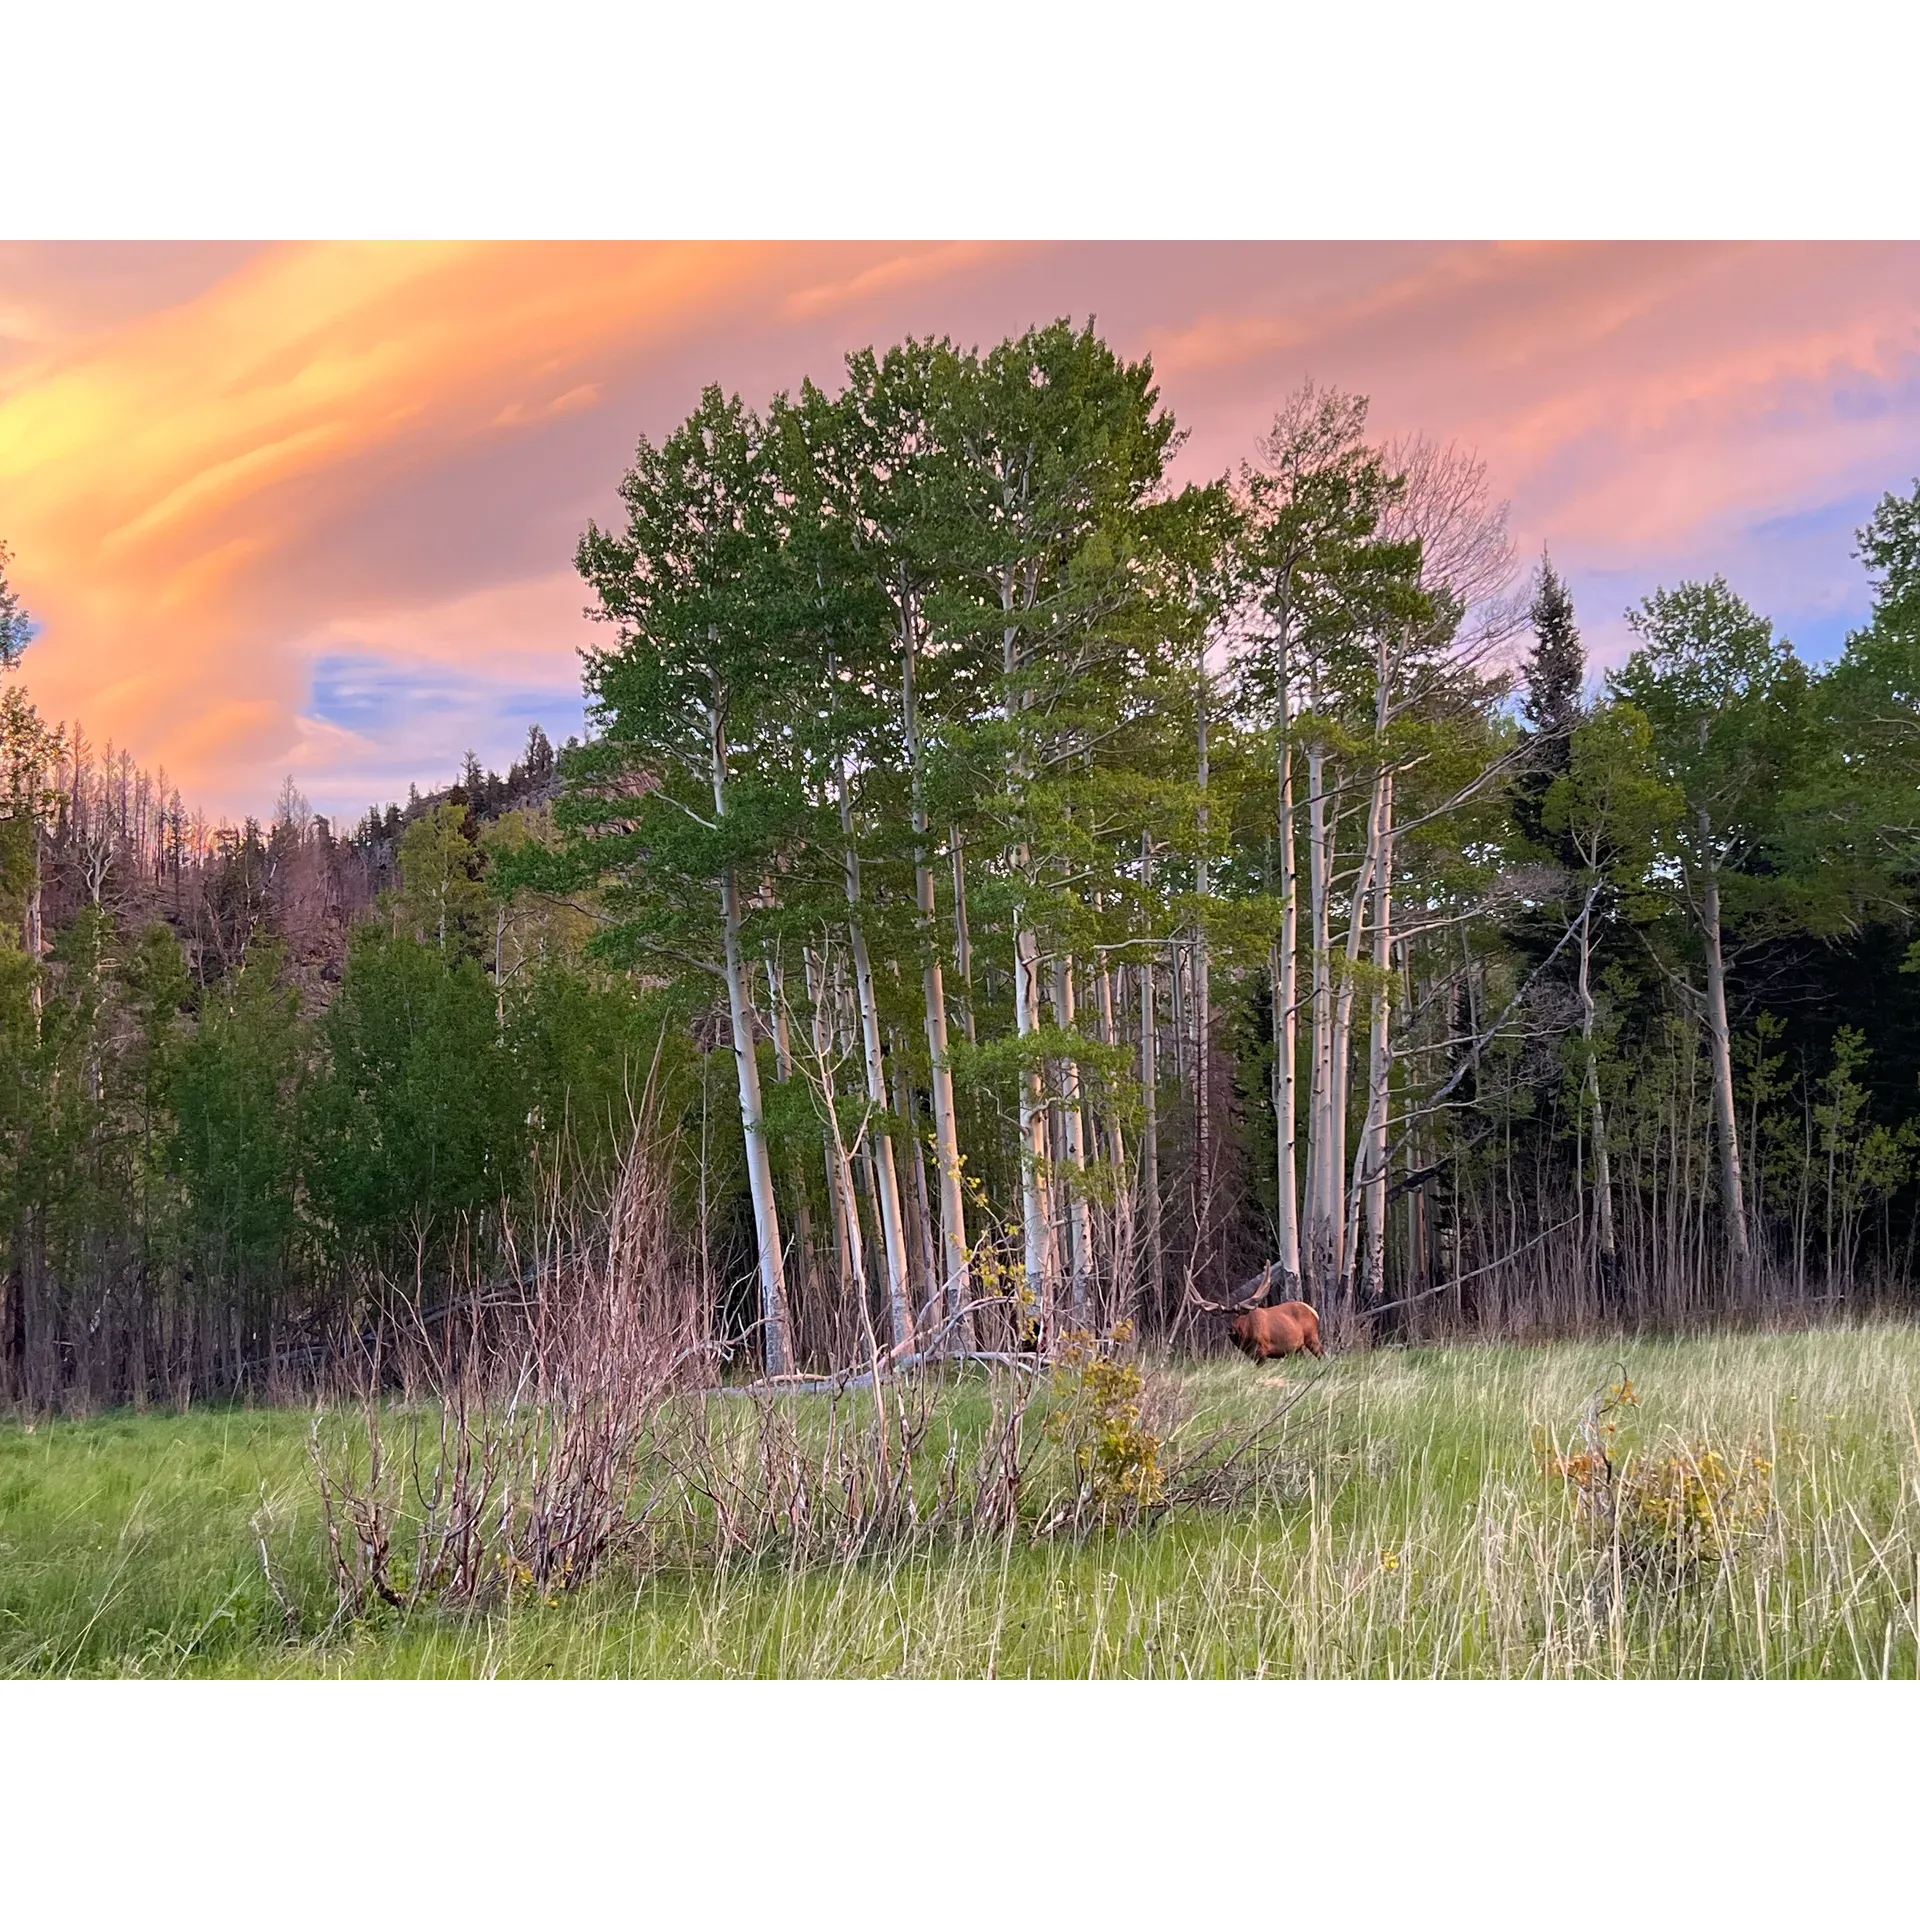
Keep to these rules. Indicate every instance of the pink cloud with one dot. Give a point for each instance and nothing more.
(219, 468)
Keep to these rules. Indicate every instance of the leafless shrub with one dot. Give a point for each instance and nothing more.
(834, 1477)
(1233, 1462)
(524, 1466)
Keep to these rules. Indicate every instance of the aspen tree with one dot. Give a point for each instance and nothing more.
(1727, 703)
(674, 798)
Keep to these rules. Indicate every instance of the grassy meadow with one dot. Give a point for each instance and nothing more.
(1417, 1530)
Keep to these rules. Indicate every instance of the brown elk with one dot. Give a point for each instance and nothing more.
(1267, 1333)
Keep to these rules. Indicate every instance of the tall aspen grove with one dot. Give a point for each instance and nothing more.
(1014, 891)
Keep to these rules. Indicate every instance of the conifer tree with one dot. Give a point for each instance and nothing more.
(1555, 672)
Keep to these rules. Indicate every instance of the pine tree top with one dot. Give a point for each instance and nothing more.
(1556, 668)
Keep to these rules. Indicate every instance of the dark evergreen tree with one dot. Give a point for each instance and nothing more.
(539, 757)
(1556, 672)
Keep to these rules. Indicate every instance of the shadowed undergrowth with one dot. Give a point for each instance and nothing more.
(1412, 1524)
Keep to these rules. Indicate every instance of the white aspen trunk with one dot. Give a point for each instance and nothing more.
(1149, 1105)
(1286, 1033)
(1380, 1052)
(893, 1237)
(777, 1021)
(1179, 953)
(1417, 1276)
(918, 1203)
(1732, 1189)
(1073, 1128)
(955, 1259)
(1350, 1243)
(1596, 1116)
(856, 1233)
(842, 1243)
(886, 1180)
(1202, 1004)
(962, 938)
(35, 941)
(1036, 1229)
(783, 1072)
(1117, 1156)
(1366, 1211)
(1347, 1216)
(1324, 1147)
(946, 1131)
(839, 1174)
(499, 965)
(766, 1212)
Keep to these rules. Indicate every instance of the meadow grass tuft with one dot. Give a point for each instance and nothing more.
(1415, 1532)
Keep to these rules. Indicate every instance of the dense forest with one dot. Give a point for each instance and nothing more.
(1013, 893)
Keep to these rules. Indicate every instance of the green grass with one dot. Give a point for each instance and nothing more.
(1417, 1536)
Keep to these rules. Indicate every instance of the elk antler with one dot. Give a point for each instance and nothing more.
(1231, 1305)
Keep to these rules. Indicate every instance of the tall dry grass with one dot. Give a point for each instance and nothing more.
(1404, 1526)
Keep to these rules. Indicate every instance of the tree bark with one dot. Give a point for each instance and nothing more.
(1732, 1188)
(918, 1202)
(1202, 1003)
(783, 1072)
(1122, 1249)
(1149, 1107)
(1036, 1229)
(35, 935)
(499, 964)
(886, 1180)
(1073, 1128)
(1380, 1052)
(1347, 1216)
(1324, 1139)
(1286, 966)
(766, 1212)
(962, 938)
(893, 1237)
(946, 1132)
(1596, 1114)
(839, 1175)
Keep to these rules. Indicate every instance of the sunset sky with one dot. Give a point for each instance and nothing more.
(312, 509)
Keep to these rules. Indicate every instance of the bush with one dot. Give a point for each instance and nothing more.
(418, 1118)
(1670, 1515)
(1100, 1421)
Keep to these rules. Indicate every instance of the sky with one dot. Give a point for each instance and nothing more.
(311, 509)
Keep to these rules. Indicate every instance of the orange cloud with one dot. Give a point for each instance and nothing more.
(155, 483)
